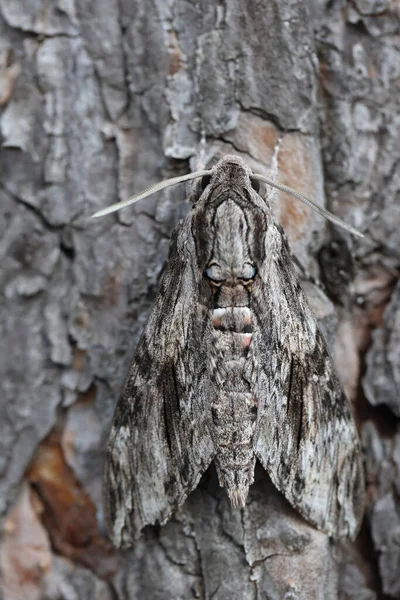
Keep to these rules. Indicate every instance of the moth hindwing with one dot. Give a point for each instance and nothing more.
(231, 367)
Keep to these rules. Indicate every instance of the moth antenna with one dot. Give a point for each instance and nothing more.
(148, 192)
(321, 211)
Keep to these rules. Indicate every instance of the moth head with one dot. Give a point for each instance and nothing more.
(230, 171)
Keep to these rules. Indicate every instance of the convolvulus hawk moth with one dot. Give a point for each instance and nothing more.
(231, 367)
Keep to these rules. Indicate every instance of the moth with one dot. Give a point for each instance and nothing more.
(231, 368)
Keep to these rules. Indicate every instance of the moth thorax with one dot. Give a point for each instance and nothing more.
(235, 295)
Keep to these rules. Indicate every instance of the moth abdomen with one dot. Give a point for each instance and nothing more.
(234, 409)
(234, 318)
(235, 464)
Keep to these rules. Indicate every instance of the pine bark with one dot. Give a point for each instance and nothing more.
(100, 99)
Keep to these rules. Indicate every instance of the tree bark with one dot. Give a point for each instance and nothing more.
(100, 100)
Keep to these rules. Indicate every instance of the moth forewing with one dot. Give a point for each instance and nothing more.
(231, 367)
(314, 458)
(163, 407)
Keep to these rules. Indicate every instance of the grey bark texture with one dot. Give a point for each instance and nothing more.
(98, 101)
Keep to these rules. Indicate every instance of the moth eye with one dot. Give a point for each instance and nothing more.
(213, 276)
(205, 180)
(255, 184)
(249, 272)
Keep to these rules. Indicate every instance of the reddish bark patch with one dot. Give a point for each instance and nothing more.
(255, 136)
(296, 170)
(78, 359)
(25, 555)
(264, 134)
(9, 71)
(87, 397)
(176, 57)
(69, 514)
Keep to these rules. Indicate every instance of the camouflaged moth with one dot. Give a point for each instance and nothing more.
(231, 368)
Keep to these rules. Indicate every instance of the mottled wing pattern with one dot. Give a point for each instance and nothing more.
(160, 442)
(305, 436)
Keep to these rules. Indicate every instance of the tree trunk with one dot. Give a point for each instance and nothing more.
(102, 99)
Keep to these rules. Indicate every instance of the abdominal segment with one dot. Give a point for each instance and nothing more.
(234, 409)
